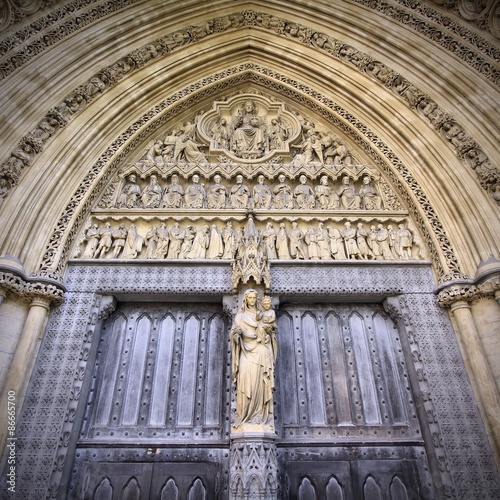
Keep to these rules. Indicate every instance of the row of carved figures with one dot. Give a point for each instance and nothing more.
(218, 196)
(316, 242)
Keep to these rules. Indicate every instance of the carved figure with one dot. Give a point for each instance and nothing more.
(336, 153)
(200, 244)
(215, 248)
(336, 243)
(221, 134)
(347, 194)
(349, 235)
(133, 243)
(296, 241)
(311, 146)
(282, 243)
(195, 194)
(269, 237)
(322, 242)
(187, 243)
(129, 197)
(173, 194)
(240, 194)
(372, 242)
(383, 243)
(326, 196)
(312, 245)
(253, 361)
(151, 195)
(229, 239)
(283, 194)
(403, 242)
(92, 238)
(119, 236)
(304, 194)
(151, 243)
(176, 236)
(248, 139)
(188, 150)
(217, 194)
(105, 241)
(162, 241)
(262, 195)
(277, 134)
(361, 235)
(155, 153)
(370, 200)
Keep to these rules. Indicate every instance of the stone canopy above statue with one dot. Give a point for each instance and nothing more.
(249, 129)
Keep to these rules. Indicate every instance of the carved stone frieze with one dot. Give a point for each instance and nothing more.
(82, 202)
(275, 237)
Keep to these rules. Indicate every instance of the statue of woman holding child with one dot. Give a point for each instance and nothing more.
(254, 349)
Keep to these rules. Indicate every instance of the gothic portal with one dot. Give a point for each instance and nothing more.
(260, 275)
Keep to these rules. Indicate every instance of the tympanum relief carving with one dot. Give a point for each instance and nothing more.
(249, 181)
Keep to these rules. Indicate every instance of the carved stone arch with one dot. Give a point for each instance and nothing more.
(197, 490)
(307, 489)
(131, 491)
(104, 490)
(372, 489)
(170, 490)
(425, 219)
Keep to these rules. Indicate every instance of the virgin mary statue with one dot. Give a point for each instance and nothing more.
(254, 349)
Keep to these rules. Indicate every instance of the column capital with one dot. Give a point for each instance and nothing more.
(457, 292)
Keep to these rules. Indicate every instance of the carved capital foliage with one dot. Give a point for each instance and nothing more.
(484, 287)
(456, 293)
(12, 283)
(31, 289)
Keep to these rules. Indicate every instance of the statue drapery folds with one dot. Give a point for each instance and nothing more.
(254, 350)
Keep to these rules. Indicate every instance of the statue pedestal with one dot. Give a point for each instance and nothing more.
(253, 463)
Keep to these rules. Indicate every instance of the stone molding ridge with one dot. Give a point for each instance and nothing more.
(13, 279)
(485, 284)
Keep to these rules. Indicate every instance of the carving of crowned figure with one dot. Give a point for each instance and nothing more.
(194, 196)
(254, 349)
(248, 139)
(369, 197)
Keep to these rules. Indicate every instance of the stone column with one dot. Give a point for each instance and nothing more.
(42, 293)
(458, 298)
(23, 356)
(253, 465)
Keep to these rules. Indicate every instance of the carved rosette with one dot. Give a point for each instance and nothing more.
(253, 470)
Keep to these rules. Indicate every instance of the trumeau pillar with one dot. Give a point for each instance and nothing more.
(253, 468)
(458, 297)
